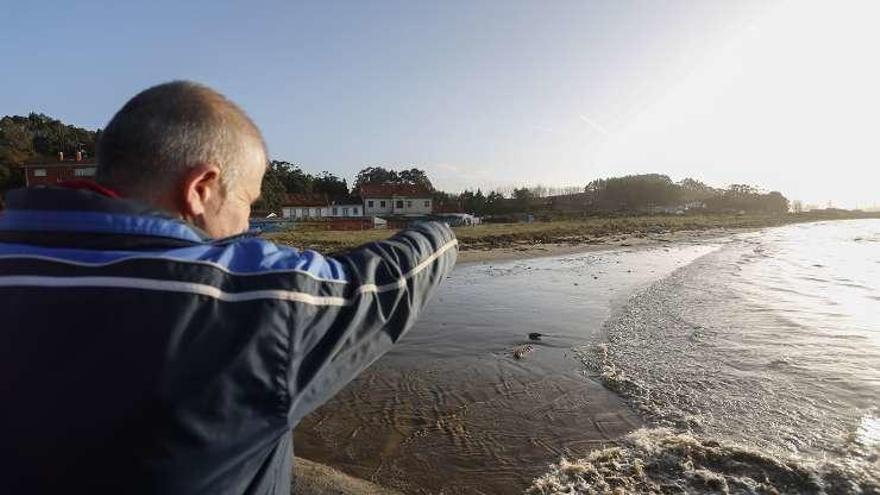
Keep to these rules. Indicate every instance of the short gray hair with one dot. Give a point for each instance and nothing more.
(166, 130)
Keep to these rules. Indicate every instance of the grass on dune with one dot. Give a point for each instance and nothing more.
(572, 231)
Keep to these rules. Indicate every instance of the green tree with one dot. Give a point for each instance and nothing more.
(16, 142)
(522, 199)
(474, 202)
(273, 192)
(743, 197)
(330, 184)
(633, 192)
(376, 175)
(495, 203)
(40, 137)
(774, 202)
(415, 177)
(694, 190)
(291, 176)
(381, 175)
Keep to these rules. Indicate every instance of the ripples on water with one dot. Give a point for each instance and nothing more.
(770, 346)
(450, 410)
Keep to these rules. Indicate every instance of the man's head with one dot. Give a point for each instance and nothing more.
(185, 148)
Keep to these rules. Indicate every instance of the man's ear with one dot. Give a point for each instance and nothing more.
(199, 189)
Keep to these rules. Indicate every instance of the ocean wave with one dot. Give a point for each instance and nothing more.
(748, 384)
(662, 461)
(639, 395)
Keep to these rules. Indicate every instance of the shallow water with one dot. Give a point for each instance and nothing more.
(451, 410)
(750, 365)
(771, 344)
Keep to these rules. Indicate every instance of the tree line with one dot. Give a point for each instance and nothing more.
(284, 178)
(37, 137)
(627, 194)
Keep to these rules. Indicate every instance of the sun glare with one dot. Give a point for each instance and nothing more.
(791, 102)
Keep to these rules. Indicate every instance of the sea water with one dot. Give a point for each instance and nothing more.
(756, 367)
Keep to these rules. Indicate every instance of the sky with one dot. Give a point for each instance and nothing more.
(780, 94)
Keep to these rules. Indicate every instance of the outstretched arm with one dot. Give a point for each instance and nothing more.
(388, 284)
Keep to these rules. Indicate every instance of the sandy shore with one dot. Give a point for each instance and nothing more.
(449, 410)
(528, 251)
(312, 478)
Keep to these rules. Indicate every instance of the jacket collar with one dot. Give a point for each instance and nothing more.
(84, 210)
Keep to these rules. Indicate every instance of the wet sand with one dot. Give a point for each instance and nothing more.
(451, 410)
(312, 478)
(640, 240)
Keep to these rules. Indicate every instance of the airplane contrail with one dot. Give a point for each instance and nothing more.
(592, 123)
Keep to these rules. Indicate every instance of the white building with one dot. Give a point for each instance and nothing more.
(317, 206)
(396, 199)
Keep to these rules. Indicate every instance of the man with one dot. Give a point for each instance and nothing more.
(149, 345)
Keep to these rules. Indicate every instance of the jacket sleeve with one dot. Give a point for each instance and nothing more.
(388, 284)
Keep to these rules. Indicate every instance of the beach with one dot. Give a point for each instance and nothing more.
(739, 362)
(450, 409)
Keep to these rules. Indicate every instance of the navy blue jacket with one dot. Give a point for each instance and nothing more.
(138, 356)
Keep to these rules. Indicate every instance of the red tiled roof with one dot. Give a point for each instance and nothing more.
(319, 199)
(389, 190)
(306, 199)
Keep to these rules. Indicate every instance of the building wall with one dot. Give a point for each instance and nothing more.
(398, 206)
(314, 212)
(377, 206)
(51, 175)
(350, 210)
(305, 212)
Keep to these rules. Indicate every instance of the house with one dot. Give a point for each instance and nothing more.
(346, 206)
(396, 199)
(318, 206)
(51, 173)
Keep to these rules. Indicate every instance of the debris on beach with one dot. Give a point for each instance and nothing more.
(520, 351)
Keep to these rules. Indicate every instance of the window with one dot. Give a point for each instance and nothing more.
(381, 204)
(356, 211)
(84, 172)
(428, 204)
(399, 204)
(336, 211)
(370, 204)
(39, 172)
(345, 212)
(409, 204)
